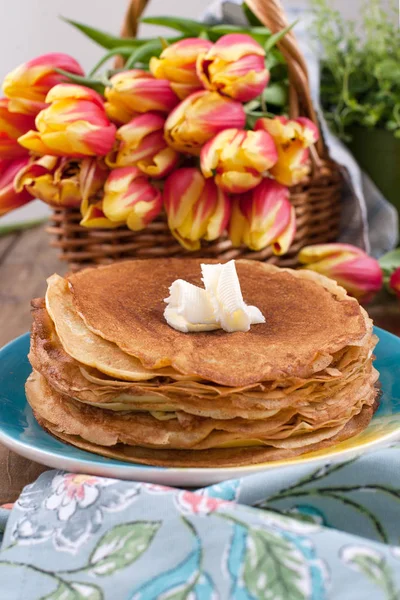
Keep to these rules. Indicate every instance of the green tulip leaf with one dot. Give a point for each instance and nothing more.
(102, 38)
(276, 94)
(95, 84)
(390, 261)
(276, 37)
(250, 16)
(186, 26)
(144, 53)
(124, 51)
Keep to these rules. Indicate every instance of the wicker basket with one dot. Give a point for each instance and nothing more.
(316, 200)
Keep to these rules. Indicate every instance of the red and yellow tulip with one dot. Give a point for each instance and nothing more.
(28, 85)
(238, 159)
(12, 126)
(196, 208)
(135, 91)
(263, 217)
(177, 63)
(198, 118)
(10, 199)
(234, 66)
(130, 198)
(351, 267)
(292, 137)
(141, 143)
(75, 124)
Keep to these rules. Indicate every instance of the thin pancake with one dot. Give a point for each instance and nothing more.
(213, 458)
(87, 347)
(308, 319)
(285, 429)
(64, 374)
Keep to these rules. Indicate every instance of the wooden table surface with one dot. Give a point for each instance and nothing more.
(26, 260)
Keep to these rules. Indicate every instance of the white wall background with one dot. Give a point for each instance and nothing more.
(33, 27)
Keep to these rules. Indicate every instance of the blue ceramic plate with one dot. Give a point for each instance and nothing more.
(20, 432)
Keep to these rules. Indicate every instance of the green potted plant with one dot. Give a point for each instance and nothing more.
(360, 86)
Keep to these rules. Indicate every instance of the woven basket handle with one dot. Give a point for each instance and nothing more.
(272, 15)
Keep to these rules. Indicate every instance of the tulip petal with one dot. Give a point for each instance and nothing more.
(137, 91)
(233, 46)
(394, 282)
(238, 224)
(198, 118)
(317, 252)
(239, 158)
(292, 139)
(11, 199)
(28, 84)
(218, 223)
(94, 218)
(284, 240)
(129, 197)
(236, 182)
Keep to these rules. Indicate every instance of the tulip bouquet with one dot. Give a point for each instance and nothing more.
(195, 126)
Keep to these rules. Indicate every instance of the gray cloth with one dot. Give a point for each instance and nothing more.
(368, 219)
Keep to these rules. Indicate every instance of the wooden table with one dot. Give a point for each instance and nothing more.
(26, 260)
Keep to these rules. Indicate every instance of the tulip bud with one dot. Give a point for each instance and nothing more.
(238, 159)
(12, 126)
(142, 144)
(234, 66)
(137, 91)
(129, 197)
(351, 267)
(292, 139)
(198, 118)
(263, 217)
(394, 282)
(10, 199)
(196, 208)
(177, 63)
(75, 124)
(28, 85)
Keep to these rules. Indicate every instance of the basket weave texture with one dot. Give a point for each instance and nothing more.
(316, 200)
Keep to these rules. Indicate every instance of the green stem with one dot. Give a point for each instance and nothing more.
(123, 51)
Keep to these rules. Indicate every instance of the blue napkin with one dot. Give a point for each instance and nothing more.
(295, 533)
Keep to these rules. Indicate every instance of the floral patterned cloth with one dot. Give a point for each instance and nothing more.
(296, 533)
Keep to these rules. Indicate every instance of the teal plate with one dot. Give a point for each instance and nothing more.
(20, 432)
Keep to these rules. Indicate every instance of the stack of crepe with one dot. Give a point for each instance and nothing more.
(112, 377)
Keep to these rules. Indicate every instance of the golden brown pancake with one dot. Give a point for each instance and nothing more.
(112, 377)
(318, 400)
(215, 457)
(286, 429)
(308, 319)
(87, 347)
